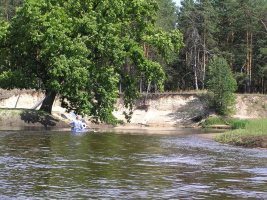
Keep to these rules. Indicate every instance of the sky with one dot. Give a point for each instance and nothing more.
(177, 2)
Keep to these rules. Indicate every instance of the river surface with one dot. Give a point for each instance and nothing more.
(60, 165)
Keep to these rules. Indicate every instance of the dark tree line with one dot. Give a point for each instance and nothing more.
(234, 29)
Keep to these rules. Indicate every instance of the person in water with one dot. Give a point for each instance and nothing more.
(77, 124)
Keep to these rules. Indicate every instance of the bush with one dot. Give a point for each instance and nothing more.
(222, 85)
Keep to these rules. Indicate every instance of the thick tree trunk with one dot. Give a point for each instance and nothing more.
(48, 101)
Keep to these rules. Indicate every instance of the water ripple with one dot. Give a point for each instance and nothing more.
(112, 166)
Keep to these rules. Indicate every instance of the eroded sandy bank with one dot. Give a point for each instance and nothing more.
(156, 111)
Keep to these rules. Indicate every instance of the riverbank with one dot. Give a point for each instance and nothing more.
(253, 134)
(160, 112)
(29, 119)
(152, 110)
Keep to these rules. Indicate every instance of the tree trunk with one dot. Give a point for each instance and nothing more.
(204, 61)
(141, 86)
(48, 101)
(195, 67)
(249, 38)
(247, 61)
(6, 10)
(120, 87)
(250, 59)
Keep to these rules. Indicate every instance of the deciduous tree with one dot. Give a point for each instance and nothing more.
(82, 49)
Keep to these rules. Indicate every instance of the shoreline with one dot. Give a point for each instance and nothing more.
(130, 128)
(166, 114)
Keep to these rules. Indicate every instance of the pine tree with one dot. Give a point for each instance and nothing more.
(188, 23)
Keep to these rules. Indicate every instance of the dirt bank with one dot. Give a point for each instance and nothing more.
(251, 106)
(24, 119)
(165, 111)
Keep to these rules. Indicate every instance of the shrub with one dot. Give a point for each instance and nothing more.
(222, 85)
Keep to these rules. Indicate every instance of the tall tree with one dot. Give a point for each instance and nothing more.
(208, 28)
(82, 49)
(188, 23)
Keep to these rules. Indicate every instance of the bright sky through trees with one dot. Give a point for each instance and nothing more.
(178, 2)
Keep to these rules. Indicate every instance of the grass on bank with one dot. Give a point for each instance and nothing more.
(254, 134)
(217, 120)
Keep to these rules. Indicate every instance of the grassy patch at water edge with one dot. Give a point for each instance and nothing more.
(213, 120)
(218, 120)
(254, 134)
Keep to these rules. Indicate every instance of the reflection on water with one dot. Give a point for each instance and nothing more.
(53, 165)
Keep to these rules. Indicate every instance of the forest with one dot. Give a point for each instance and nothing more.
(129, 47)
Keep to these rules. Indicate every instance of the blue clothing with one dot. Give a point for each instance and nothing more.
(77, 126)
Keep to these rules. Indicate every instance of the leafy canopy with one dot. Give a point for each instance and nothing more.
(82, 49)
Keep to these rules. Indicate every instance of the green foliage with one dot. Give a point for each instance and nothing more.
(234, 29)
(166, 42)
(3, 50)
(83, 49)
(208, 27)
(16, 79)
(3, 30)
(166, 15)
(222, 85)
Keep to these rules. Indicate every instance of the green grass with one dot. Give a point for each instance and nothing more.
(232, 122)
(213, 121)
(252, 135)
(237, 123)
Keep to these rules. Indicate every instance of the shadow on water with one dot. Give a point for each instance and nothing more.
(32, 116)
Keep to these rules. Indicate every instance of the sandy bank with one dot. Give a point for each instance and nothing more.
(156, 111)
(26, 119)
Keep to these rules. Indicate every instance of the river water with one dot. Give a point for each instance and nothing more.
(60, 165)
